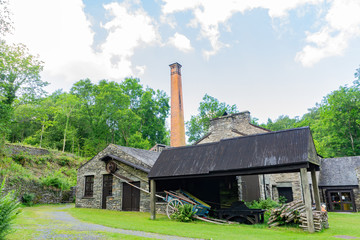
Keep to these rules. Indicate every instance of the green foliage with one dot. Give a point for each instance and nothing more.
(184, 213)
(91, 116)
(334, 123)
(282, 199)
(63, 160)
(28, 199)
(263, 204)
(209, 108)
(9, 209)
(19, 73)
(56, 180)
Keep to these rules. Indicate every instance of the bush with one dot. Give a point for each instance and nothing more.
(263, 204)
(185, 213)
(9, 209)
(63, 161)
(56, 180)
(28, 199)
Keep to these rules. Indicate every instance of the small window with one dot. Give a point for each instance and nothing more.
(89, 186)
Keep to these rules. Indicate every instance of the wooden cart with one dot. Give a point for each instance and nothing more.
(179, 198)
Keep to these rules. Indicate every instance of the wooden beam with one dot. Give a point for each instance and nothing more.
(307, 199)
(152, 199)
(315, 189)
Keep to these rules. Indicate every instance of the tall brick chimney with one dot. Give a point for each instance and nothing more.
(177, 137)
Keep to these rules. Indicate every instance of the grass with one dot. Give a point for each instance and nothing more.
(340, 224)
(34, 219)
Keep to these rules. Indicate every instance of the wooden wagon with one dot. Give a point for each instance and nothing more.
(176, 199)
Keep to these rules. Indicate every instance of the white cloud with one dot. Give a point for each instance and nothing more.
(210, 15)
(181, 42)
(342, 25)
(61, 34)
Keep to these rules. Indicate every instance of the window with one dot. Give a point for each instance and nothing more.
(89, 186)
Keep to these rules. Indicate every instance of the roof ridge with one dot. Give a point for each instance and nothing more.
(266, 133)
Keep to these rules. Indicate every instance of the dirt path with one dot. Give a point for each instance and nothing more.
(61, 225)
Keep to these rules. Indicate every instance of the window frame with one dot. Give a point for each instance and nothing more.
(88, 193)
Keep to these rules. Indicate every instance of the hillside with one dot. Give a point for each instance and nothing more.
(47, 168)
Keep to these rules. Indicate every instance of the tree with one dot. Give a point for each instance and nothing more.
(19, 73)
(209, 108)
(281, 123)
(338, 126)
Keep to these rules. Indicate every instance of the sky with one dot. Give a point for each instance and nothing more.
(270, 57)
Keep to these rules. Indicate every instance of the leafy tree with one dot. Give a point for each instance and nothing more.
(19, 73)
(338, 127)
(209, 108)
(282, 123)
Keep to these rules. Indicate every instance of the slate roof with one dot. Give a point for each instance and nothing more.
(339, 171)
(145, 156)
(266, 150)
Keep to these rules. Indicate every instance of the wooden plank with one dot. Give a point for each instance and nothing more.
(307, 199)
(152, 199)
(315, 189)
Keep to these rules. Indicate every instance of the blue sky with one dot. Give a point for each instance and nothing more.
(270, 57)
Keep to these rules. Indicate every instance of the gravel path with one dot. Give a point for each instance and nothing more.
(63, 221)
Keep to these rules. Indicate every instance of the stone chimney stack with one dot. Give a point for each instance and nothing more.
(177, 137)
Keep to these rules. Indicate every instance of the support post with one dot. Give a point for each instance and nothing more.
(307, 199)
(152, 199)
(315, 189)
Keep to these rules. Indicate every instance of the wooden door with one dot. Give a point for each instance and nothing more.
(107, 188)
(131, 197)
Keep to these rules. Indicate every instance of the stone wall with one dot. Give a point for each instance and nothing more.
(357, 191)
(230, 126)
(96, 167)
(16, 149)
(43, 195)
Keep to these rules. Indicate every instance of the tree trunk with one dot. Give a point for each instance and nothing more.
(41, 135)
(66, 127)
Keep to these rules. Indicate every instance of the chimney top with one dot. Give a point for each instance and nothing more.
(175, 68)
(175, 64)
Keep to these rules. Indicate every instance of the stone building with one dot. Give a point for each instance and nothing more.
(97, 188)
(254, 187)
(230, 126)
(339, 183)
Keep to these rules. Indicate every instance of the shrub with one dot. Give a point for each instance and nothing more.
(9, 209)
(263, 204)
(56, 180)
(63, 161)
(185, 213)
(28, 199)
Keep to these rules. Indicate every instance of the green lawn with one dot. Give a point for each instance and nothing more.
(340, 224)
(33, 219)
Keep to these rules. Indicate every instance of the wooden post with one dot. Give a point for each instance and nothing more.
(152, 199)
(307, 199)
(316, 189)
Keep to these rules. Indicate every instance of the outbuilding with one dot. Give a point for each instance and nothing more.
(339, 183)
(208, 171)
(97, 187)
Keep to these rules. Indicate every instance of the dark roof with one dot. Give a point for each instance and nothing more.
(271, 150)
(145, 156)
(339, 171)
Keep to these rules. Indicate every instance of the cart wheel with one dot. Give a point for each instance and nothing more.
(173, 206)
